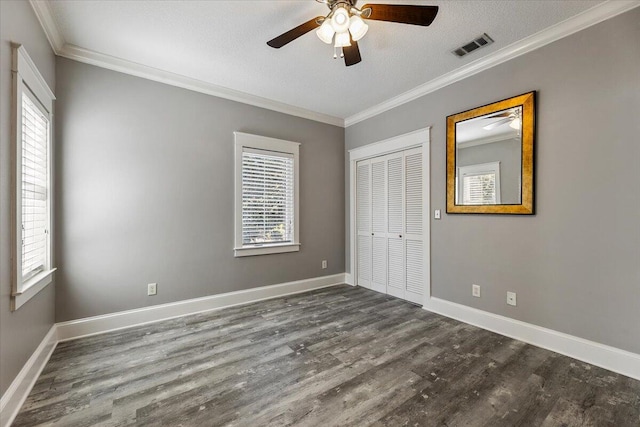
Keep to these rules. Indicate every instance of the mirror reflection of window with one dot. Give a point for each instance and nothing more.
(501, 133)
(479, 184)
(491, 139)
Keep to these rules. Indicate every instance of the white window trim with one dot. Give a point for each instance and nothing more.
(245, 140)
(479, 169)
(27, 79)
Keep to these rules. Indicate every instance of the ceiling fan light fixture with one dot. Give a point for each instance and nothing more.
(357, 28)
(340, 20)
(346, 24)
(515, 123)
(343, 39)
(326, 32)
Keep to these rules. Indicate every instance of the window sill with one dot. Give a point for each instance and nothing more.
(31, 288)
(266, 249)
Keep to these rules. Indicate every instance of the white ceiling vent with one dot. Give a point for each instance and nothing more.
(483, 40)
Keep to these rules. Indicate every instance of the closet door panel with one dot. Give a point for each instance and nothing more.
(414, 246)
(379, 223)
(395, 225)
(363, 223)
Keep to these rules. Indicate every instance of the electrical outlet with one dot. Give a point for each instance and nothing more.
(436, 214)
(475, 290)
(152, 288)
(324, 263)
(511, 298)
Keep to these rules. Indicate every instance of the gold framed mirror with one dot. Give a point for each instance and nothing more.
(490, 158)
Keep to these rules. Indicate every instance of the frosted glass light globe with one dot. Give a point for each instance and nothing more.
(340, 20)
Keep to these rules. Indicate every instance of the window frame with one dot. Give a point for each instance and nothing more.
(478, 169)
(257, 142)
(26, 79)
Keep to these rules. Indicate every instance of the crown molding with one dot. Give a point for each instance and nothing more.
(590, 17)
(42, 8)
(60, 47)
(128, 67)
(586, 19)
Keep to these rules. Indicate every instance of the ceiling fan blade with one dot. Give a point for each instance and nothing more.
(351, 54)
(404, 14)
(497, 123)
(294, 33)
(493, 116)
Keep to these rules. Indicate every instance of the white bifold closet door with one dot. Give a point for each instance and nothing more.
(389, 224)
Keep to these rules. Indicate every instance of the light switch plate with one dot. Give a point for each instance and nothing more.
(436, 214)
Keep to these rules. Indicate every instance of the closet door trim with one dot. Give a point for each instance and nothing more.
(419, 138)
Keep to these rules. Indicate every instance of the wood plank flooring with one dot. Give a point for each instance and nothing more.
(339, 356)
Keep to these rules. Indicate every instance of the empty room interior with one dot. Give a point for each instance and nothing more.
(320, 213)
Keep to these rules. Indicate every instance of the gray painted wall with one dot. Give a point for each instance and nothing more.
(575, 265)
(509, 154)
(20, 331)
(145, 180)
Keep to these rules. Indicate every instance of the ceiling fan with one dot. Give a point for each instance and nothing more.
(511, 117)
(345, 25)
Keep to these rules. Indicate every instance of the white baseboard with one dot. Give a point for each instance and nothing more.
(604, 356)
(125, 319)
(348, 279)
(611, 358)
(17, 393)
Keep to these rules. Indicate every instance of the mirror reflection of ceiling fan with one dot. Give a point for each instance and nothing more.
(512, 118)
(345, 24)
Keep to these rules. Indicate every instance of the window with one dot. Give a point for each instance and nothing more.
(31, 204)
(266, 195)
(479, 184)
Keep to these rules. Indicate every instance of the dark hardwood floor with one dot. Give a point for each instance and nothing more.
(332, 357)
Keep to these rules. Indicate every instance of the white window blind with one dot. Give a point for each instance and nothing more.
(267, 197)
(479, 189)
(35, 216)
(478, 184)
(31, 270)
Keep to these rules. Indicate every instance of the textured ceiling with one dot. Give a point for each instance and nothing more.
(224, 43)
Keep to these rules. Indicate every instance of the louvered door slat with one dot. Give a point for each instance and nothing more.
(363, 223)
(379, 264)
(396, 264)
(395, 226)
(414, 246)
(415, 266)
(413, 193)
(379, 224)
(395, 187)
(378, 196)
(364, 259)
(362, 201)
